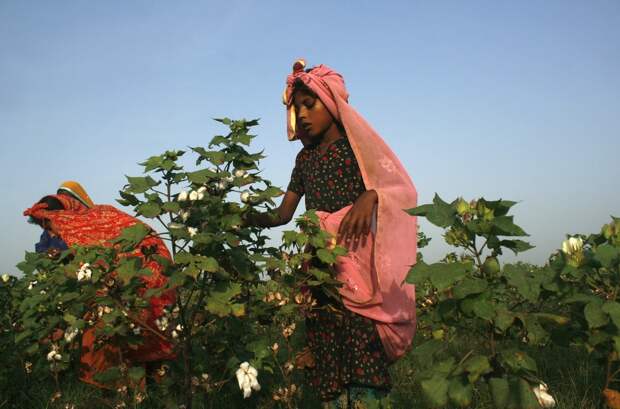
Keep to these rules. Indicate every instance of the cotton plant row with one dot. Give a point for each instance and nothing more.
(504, 311)
(226, 326)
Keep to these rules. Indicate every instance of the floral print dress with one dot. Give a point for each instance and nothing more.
(346, 346)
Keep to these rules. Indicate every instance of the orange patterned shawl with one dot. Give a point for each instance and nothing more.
(97, 226)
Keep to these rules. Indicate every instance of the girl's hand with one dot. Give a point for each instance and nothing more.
(355, 226)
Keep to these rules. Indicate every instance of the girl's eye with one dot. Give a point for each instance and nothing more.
(309, 103)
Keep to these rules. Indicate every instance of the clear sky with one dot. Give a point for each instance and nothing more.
(517, 100)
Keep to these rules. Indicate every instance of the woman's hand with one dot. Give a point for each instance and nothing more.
(355, 226)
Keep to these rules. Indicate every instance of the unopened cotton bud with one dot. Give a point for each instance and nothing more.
(202, 190)
(193, 195)
(6, 278)
(185, 215)
(239, 173)
(245, 197)
(173, 225)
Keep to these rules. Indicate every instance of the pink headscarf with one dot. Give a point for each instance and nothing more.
(373, 275)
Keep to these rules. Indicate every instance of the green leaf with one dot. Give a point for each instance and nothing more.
(505, 226)
(418, 273)
(503, 319)
(200, 177)
(152, 163)
(242, 138)
(613, 309)
(476, 366)
(500, 392)
(594, 314)
(483, 308)
(136, 373)
(69, 318)
(460, 392)
(272, 191)
(208, 264)
(218, 301)
(607, 255)
(517, 246)
(442, 275)
(551, 318)
(423, 353)
(140, 184)
(131, 236)
(440, 213)
(260, 347)
(219, 140)
(518, 276)
(527, 399)
(172, 207)
(129, 268)
(109, 375)
(149, 209)
(445, 275)
(536, 334)
(68, 296)
(616, 341)
(421, 210)
(435, 390)
(518, 361)
(500, 207)
(127, 199)
(470, 286)
(23, 335)
(326, 256)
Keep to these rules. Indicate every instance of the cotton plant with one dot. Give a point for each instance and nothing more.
(217, 273)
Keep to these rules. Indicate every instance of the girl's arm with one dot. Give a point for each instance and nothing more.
(277, 217)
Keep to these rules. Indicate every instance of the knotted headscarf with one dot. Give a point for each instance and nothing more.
(373, 275)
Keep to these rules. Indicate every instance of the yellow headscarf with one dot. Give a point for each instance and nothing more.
(76, 190)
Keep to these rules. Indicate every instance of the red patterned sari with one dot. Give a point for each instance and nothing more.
(80, 225)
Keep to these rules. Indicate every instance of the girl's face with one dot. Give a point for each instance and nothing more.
(312, 116)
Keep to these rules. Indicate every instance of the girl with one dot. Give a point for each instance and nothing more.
(359, 188)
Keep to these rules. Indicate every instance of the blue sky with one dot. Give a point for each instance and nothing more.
(514, 100)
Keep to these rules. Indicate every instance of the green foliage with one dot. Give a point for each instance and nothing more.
(464, 297)
(235, 297)
(481, 322)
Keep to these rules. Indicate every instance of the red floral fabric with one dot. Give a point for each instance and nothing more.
(97, 226)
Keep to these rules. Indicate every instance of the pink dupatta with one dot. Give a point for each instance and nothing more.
(372, 275)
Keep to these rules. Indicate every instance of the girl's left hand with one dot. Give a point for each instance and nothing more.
(355, 226)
